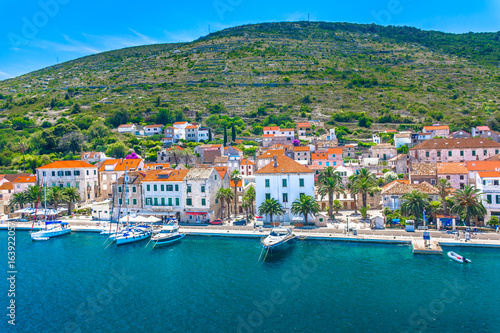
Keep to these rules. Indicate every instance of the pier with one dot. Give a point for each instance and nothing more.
(419, 246)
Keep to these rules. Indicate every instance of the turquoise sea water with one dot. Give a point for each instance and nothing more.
(74, 284)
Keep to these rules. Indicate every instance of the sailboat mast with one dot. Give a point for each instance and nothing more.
(45, 198)
(126, 196)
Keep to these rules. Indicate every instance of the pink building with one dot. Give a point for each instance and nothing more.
(455, 172)
(437, 130)
(247, 167)
(328, 157)
(454, 150)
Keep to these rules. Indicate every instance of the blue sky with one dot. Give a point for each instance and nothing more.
(35, 33)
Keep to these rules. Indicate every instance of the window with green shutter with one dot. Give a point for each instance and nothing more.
(162, 187)
(189, 202)
(449, 153)
(462, 153)
(301, 182)
(177, 187)
(134, 202)
(148, 188)
(426, 154)
(285, 197)
(155, 187)
(473, 153)
(189, 189)
(268, 196)
(156, 201)
(203, 201)
(119, 189)
(267, 182)
(177, 201)
(163, 201)
(134, 189)
(439, 154)
(485, 152)
(120, 201)
(284, 182)
(202, 189)
(170, 188)
(170, 201)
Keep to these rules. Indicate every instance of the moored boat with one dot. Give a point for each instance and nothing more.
(133, 234)
(278, 240)
(458, 258)
(168, 234)
(58, 229)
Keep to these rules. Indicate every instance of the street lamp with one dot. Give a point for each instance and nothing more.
(347, 218)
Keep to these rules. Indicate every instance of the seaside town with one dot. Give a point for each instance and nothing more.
(295, 178)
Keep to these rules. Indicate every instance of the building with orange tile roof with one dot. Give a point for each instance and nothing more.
(266, 156)
(78, 174)
(93, 157)
(488, 182)
(303, 129)
(112, 169)
(154, 129)
(327, 157)
(23, 182)
(437, 130)
(276, 135)
(247, 167)
(455, 172)
(284, 180)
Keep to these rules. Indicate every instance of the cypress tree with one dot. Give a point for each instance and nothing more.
(233, 133)
(225, 136)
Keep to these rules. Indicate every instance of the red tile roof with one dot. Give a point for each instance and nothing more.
(456, 144)
(433, 128)
(246, 162)
(483, 165)
(67, 165)
(165, 176)
(221, 170)
(489, 174)
(304, 125)
(272, 128)
(451, 168)
(121, 164)
(154, 126)
(284, 165)
(302, 148)
(30, 179)
(270, 153)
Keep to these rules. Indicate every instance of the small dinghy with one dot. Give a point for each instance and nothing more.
(40, 238)
(458, 258)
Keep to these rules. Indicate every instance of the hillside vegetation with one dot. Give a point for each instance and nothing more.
(358, 78)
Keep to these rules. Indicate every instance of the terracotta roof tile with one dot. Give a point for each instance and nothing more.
(121, 164)
(270, 153)
(221, 170)
(424, 169)
(165, 176)
(285, 165)
(272, 128)
(403, 188)
(433, 128)
(456, 144)
(483, 166)
(67, 165)
(30, 179)
(489, 174)
(452, 168)
(304, 125)
(246, 162)
(7, 186)
(302, 148)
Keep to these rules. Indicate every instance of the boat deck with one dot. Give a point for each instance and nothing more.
(418, 246)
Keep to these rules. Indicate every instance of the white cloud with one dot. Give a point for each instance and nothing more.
(5, 75)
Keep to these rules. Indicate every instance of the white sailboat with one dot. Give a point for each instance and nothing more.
(52, 228)
(168, 234)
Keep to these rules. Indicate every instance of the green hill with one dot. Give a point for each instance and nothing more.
(278, 73)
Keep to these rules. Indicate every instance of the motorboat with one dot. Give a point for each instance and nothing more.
(458, 258)
(39, 238)
(52, 229)
(168, 234)
(133, 234)
(278, 240)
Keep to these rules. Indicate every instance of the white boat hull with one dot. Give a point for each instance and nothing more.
(132, 237)
(282, 245)
(458, 258)
(168, 240)
(50, 233)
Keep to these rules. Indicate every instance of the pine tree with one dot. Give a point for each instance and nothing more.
(233, 134)
(225, 136)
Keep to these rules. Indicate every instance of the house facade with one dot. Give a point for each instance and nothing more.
(78, 174)
(200, 192)
(455, 172)
(437, 130)
(284, 180)
(154, 129)
(112, 169)
(488, 182)
(392, 193)
(455, 150)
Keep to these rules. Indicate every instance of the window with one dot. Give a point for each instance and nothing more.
(95, 172)
(284, 182)
(134, 189)
(119, 189)
(215, 177)
(426, 154)
(320, 163)
(301, 194)
(60, 173)
(148, 201)
(134, 202)
(439, 154)
(77, 184)
(301, 182)
(170, 201)
(156, 201)
(177, 201)
(189, 189)
(68, 185)
(148, 187)
(203, 201)
(449, 153)
(202, 188)
(177, 187)
(119, 201)
(268, 196)
(485, 152)
(285, 197)
(163, 201)
(496, 152)
(189, 202)
(67, 173)
(473, 153)
(76, 173)
(162, 187)
(155, 187)
(267, 182)
(497, 199)
(488, 198)
(461, 177)
(170, 188)
(448, 177)
(462, 153)
(87, 172)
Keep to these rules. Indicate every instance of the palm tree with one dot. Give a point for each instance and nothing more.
(235, 178)
(271, 207)
(18, 200)
(365, 183)
(467, 203)
(353, 191)
(221, 196)
(414, 203)
(305, 205)
(229, 198)
(245, 204)
(434, 208)
(55, 195)
(250, 196)
(329, 182)
(33, 193)
(337, 205)
(443, 185)
(71, 194)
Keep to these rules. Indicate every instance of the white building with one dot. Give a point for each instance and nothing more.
(284, 180)
(127, 128)
(78, 174)
(488, 182)
(153, 129)
(200, 191)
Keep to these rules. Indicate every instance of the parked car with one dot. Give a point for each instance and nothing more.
(240, 222)
(216, 222)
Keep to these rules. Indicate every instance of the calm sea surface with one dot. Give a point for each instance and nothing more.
(75, 284)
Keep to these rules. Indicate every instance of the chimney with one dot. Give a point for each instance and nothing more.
(275, 158)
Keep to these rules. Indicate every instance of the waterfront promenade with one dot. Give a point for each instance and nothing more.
(333, 232)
